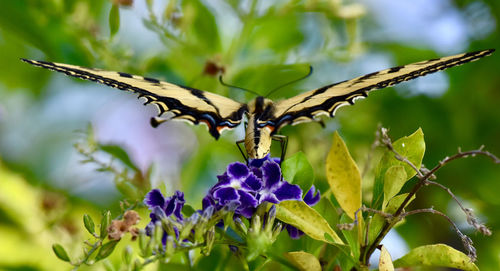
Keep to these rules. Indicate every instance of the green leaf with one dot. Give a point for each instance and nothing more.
(89, 224)
(385, 261)
(303, 260)
(395, 202)
(114, 19)
(200, 26)
(298, 170)
(377, 221)
(188, 210)
(60, 252)
(394, 179)
(106, 250)
(326, 209)
(351, 236)
(436, 255)
(105, 221)
(343, 176)
(126, 188)
(120, 154)
(128, 254)
(269, 33)
(413, 148)
(300, 215)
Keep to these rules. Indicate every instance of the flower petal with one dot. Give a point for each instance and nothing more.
(226, 194)
(154, 198)
(311, 199)
(246, 212)
(286, 191)
(272, 174)
(247, 200)
(293, 232)
(237, 170)
(269, 197)
(207, 201)
(253, 182)
(174, 205)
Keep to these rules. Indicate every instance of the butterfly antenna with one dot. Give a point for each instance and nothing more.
(291, 82)
(232, 86)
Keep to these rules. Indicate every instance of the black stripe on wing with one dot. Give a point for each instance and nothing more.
(212, 119)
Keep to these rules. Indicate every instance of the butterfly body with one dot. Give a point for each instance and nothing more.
(259, 128)
(265, 117)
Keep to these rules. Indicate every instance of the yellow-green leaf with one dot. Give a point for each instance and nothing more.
(343, 176)
(300, 215)
(378, 220)
(436, 255)
(394, 179)
(303, 260)
(385, 261)
(395, 202)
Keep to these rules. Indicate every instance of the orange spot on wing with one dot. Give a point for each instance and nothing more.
(207, 123)
(271, 128)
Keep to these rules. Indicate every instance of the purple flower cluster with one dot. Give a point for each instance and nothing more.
(240, 189)
(243, 187)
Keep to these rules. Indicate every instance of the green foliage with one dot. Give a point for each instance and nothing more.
(114, 20)
(106, 250)
(89, 224)
(60, 252)
(412, 148)
(297, 170)
(105, 222)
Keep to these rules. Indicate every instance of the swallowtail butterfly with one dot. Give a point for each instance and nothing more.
(265, 117)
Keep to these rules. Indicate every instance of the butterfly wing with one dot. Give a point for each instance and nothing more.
(193, 105)
(324, 101)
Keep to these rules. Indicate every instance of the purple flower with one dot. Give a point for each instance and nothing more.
(275, 189)
(162, 208)
(245, 187)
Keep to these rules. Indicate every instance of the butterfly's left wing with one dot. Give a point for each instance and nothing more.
(193, 105)
(309, 105)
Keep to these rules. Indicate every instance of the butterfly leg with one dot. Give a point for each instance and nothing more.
(283, 140)
(238, 143)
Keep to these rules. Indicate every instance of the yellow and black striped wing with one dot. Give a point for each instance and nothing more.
(193, 105)
(324, 101)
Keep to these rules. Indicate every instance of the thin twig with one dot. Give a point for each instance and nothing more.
(467, 242)
(471, 218)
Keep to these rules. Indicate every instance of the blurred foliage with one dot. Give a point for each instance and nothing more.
(260, 46)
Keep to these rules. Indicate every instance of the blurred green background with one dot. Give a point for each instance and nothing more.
(45, 190)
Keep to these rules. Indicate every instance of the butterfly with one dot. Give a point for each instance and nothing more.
(264, 116)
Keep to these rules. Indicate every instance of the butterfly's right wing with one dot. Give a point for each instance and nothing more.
(193, 105)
